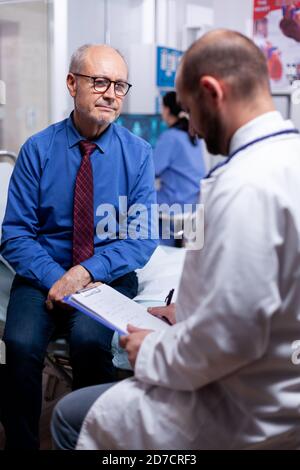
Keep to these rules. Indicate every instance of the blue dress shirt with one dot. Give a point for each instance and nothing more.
(179, 166)
(38, 224)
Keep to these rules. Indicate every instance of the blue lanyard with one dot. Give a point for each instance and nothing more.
(260, 139)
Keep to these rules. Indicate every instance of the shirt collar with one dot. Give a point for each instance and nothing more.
(261, 126)
(103, 141)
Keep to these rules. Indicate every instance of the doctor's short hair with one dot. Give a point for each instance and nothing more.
(78, 57)
(230, 56)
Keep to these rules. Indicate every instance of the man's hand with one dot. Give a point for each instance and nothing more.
(132, 342)
(164, 312)
(75, 279)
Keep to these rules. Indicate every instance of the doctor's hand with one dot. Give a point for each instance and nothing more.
(167, 312)
(75, 279)
(132, 342)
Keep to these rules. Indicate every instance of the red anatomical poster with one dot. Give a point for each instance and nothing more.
(276, 31)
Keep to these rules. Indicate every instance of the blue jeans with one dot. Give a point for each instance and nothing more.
(28, 331)
(69, 414)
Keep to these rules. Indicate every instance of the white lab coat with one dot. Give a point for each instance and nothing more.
(222, 377)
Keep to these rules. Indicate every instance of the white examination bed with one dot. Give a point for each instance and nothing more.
(6, 277)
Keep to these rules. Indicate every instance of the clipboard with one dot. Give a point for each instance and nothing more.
(114, 310)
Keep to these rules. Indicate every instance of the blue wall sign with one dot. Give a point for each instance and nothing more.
(167, 63)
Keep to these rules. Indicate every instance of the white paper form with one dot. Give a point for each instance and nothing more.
(115, 310)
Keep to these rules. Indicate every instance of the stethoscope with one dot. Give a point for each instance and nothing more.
(249, 144)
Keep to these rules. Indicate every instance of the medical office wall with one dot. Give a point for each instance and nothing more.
(37, 38)
(24, 69)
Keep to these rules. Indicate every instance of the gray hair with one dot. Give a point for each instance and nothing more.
(78, 57)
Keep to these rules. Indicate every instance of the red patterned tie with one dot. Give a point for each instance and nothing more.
(83, 215)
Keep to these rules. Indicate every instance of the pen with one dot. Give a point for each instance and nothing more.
(168, 299)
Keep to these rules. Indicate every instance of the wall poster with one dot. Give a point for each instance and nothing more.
(276, 30)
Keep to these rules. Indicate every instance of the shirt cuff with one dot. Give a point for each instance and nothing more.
(52, 276)
(97, 269)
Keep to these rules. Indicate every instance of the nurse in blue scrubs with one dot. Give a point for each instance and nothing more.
(178, 159)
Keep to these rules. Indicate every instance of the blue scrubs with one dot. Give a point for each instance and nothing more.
(180, 166)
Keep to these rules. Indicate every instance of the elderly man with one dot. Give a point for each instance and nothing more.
(55, 236)
(223, 375)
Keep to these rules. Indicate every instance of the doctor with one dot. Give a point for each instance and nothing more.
(222, 377)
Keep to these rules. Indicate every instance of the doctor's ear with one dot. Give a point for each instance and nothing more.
(71, 84)
(212, 87)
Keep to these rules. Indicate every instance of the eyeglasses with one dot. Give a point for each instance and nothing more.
(102, 84)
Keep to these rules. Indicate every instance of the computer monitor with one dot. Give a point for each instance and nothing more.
(147, 126)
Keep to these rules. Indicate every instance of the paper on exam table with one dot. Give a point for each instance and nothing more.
(161, 274)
